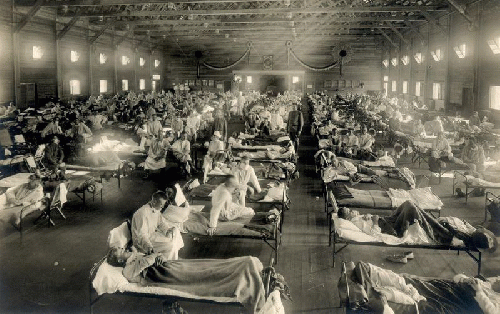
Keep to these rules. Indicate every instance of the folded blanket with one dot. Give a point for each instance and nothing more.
(424, 198)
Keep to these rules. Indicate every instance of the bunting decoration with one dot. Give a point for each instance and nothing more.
(246, 53)
(325, 68)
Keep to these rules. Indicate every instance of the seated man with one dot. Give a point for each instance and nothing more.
(365, 144)
(81, 131)
(441, 153)
(235, 278)
(215, 150)
(473, 155)
(156, 155)
(150, 231)
(182, 152)
(223, 207)
(245, 175)
(53, 155)
(52, 128)
(26, 195)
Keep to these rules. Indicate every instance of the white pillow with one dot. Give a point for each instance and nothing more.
(119, 236)
(108, 279)
(176, 214)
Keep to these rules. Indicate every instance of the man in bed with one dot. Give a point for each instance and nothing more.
(151, 233)
(237, 278)
(441, 231)
(223, 207)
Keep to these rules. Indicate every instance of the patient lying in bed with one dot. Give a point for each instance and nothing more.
(240, 276)
(417, 226)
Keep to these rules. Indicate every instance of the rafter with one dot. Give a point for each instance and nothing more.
(462, 11)
(125, 36)
(108, 24)
(434, 22)
(395, 30)
(292, 11)
(69, 25)
(415, 30)
(31, 13)
(389, 39)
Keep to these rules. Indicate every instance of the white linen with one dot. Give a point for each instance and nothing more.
(15, 180)
(424, 198)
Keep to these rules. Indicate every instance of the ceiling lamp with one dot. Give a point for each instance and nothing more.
(217, 31)
(287, 3)
(226, 35)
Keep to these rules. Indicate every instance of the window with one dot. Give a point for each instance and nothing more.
(249, 79)
(436, 90)
(142, 84)
(405, 87)
(437, 55)
(102, 58)
(419, 58)
(103, 86)
(153, 85)
(295, 79)
(386, 88)
(385, 63)
(495, 97)
(461, 50)
(405, 60)
(37, 52)
(494, 45)
(124, 85)
(394, 62)
(418, 86)
(394, 86)
(157, 63)
(74, 87)
(386, 78)
(142, 62)
(156, 77)
(75, 56)
(125, 60)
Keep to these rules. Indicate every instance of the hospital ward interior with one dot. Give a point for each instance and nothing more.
(264, 156)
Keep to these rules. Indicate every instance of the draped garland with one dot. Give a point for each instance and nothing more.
(245, 54)
(325, 68)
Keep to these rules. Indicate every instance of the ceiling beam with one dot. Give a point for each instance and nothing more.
(31, 13)
(374, 9)
(388, 38)
(415, 30)
(462, 10)
(243, 28)
(69, 25)
(56, 3)
(125, 36)
(435, 22)
(395, 30)
(108, 24)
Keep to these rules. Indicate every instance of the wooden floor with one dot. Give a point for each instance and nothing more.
(46, 271)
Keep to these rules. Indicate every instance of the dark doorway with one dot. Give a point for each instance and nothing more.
(272, 84)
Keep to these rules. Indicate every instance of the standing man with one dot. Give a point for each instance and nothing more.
(295, 124)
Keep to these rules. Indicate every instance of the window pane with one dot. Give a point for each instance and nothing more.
(417, 89)
(74, 87)
(295, 79)
(142, 62)
(386, 88)
(153, 85)
(386, 78)
(495, 97)
(75, 56)
(37, 52)
(142, 84)
(394, 86)
(436, 90)
(125, 85)
(405, 87)
(103, 86)
(102, 58)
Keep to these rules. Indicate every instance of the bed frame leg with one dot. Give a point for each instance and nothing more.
(479, 264)
(329, 217)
